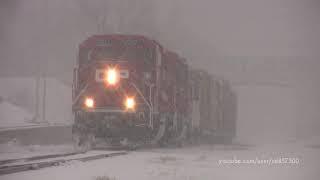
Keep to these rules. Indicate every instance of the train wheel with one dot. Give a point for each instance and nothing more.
(182, 137)
(180, 131)
(160, 131)
(83, 142)
(76, 137)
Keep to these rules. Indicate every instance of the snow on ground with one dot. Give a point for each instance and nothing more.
(13, 116)
(192, 163)
(14, 150)
(52, 94)
(58, 102)
(20, 91)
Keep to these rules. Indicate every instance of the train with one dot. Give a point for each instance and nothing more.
(129, 90)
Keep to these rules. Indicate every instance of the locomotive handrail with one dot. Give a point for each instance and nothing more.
(148, 104)
(144, 99)
(81, 92)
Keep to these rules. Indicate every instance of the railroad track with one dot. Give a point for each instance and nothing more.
(33, 163)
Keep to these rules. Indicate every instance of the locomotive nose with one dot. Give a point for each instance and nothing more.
(111, 76)
(130, 103)
(89, 102)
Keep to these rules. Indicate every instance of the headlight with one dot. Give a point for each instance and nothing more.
(89, 102)
(112, 76)
(130, 103)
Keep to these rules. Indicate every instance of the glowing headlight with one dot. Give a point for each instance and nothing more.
(89, 102)
(130, 103)
(112, 76)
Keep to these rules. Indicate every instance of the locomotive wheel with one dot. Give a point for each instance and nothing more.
(178, 132)
(182, 136)
(160, 132)
(83, 142)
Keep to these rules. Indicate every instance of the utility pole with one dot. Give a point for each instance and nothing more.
(44, 69)
(44, 99)
(37, 86)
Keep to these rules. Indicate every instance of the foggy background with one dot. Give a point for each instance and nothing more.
(268, 49)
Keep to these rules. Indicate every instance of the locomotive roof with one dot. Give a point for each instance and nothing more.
(91, 41)
(173, 56)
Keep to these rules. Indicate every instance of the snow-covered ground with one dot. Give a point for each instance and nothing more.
(24, 99)
(14, 150)
(14, 116)
(193, 163)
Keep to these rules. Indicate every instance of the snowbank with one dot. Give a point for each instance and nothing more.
(12, 116)
(58, 102)
(49, 100)
(19, 91)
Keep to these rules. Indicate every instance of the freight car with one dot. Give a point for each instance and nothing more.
(129, 90)
(214, 108)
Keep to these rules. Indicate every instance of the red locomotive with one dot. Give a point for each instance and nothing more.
(129, 90)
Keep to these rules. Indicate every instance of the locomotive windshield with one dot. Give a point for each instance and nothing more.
(114, 50)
